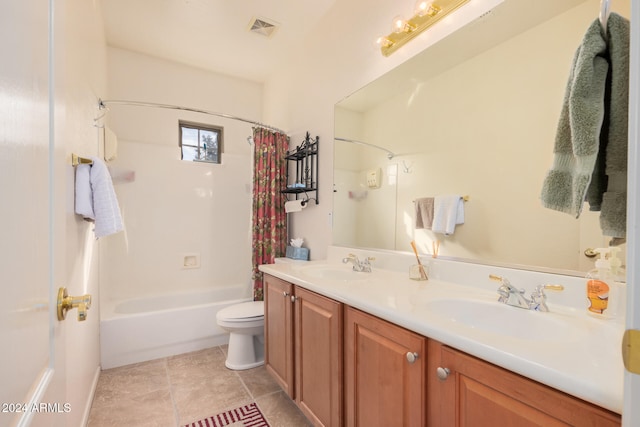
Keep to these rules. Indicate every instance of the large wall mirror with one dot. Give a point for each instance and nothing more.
(473, 115)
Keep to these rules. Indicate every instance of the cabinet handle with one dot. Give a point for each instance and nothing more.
(293, 298)
(412, 357)
(285, 294)
(442, 373)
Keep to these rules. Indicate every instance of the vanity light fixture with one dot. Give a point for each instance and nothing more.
(426, 14)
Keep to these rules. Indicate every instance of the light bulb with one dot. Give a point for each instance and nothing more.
(421, 7)
(425, 7)
(383, 41)
(398, 24)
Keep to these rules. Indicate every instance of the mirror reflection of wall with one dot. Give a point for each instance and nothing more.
(483, 127)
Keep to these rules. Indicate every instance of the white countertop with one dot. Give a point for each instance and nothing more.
(586, 362)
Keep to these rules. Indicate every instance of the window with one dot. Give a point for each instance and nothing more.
(201, 143)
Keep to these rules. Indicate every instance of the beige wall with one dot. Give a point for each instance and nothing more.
(80, 80)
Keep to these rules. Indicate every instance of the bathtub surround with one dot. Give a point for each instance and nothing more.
(176, 207)
(269, 218)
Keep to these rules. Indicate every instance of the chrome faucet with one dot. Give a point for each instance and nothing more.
(510, 295)
(361, 266)
(539, 299)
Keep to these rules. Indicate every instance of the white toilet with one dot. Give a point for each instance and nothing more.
(245, 324)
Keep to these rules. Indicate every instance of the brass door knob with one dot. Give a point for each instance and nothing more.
(66, 303)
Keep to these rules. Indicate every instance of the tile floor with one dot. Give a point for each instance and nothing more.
(180, 389)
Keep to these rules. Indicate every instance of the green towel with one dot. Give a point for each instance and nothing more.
(578, 134)
(613, 212)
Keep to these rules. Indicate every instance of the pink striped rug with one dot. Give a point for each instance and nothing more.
(244, 416)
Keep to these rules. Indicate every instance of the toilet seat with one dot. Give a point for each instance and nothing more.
(243, 312)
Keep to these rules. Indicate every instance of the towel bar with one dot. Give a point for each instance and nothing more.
(464, 198)
(77, 160)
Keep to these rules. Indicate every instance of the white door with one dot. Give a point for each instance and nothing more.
(32, 378)
(631, 411)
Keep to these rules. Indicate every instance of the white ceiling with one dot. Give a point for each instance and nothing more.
(213, 34)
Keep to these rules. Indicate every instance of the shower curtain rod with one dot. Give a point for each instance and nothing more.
(390, 154)
(102, 104)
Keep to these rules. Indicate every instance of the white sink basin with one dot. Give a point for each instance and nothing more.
(504, 320)
(335, 272)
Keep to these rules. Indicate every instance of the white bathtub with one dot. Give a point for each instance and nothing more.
(143, 329)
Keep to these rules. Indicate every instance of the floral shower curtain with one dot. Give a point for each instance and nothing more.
(269, 218)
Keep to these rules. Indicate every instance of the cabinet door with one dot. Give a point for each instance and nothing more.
(318, 344)
(383, 388)
(278, 332)
(477, 393)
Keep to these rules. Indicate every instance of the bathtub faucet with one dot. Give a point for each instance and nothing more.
(361, 266)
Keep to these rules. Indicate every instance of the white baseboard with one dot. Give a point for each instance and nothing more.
(87, 409)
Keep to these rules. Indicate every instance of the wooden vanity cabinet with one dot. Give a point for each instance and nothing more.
(477, 393)
(278, 332)
(384, 373)
(390, 374)
(303, 349)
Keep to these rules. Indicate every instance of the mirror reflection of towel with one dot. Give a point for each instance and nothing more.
(424, 213)
(448, 211)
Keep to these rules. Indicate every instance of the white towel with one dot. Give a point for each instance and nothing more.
(448, 211)
(84, 198)
(105, 203)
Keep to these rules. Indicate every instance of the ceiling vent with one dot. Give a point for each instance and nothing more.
(263, 27)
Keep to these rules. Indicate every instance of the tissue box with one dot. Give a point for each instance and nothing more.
(297, 253)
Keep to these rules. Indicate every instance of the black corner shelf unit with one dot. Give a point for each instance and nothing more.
(302, 169)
